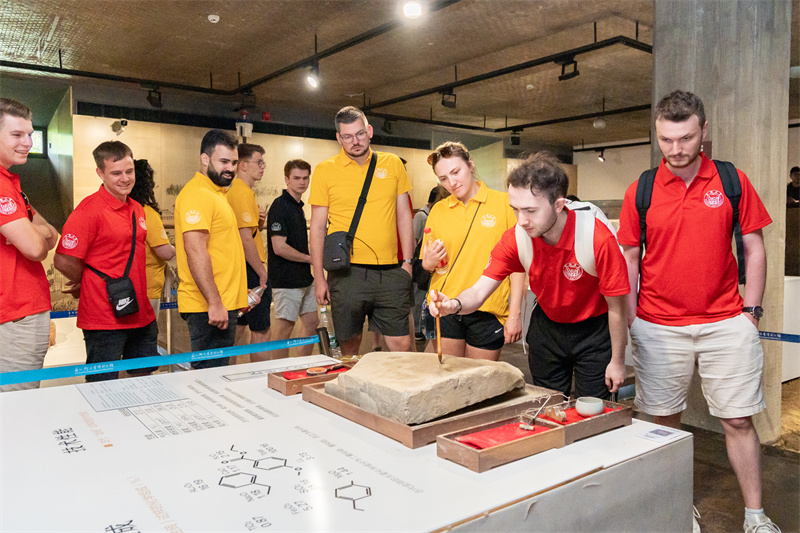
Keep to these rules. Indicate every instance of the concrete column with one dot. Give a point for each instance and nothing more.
(735, 56)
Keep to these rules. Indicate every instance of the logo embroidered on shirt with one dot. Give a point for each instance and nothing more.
(7, 205)
(246, 216)
(142, 223)
(572, 271)
(69, 241)
(122, 304)
(714, 199)
(276, 226)
(488, 221)
(192, 216)
(381, 173)
(164, 234)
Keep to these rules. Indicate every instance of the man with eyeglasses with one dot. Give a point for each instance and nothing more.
(250, 219)
(25, 239)
(376, 285)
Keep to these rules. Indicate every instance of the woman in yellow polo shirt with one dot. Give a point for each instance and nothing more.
(158, 250)
(460, 233)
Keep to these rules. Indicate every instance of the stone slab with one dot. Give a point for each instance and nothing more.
(412, 388)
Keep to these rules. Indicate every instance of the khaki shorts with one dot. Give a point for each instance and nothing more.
(291, 303)
(729, 360)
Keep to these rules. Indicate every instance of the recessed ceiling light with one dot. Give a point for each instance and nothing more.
(213, 19)
(412, 10)
(599, 123)
(529, 87)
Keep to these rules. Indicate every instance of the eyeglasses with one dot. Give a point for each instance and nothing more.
(260, 163)
(347, 138)
(27, 205)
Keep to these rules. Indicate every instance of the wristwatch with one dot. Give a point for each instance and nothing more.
(755, 310)
(409, 261)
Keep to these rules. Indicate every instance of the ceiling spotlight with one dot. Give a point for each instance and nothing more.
(602, 156)
(570, 61)
(599, 123)
(387, 128)
(449, 99)
(312, 78)
(213, 19)
(529, 87)
(412, 10)
(154, 98)
(118, 126)
(515, 139)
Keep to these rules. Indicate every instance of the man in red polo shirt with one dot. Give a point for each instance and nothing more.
(25, 239)
(688, 309)
(578, 326)
(98, 234)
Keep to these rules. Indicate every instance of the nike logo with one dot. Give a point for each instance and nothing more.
(498, 331)
(122, 304)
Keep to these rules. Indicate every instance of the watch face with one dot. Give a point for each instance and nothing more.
(758, 312)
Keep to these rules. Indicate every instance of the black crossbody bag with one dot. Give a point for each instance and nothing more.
(121, 293)
(336, 251)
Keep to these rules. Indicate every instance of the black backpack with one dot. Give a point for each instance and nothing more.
(730, 185)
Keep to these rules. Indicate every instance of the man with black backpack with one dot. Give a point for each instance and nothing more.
(687, 308)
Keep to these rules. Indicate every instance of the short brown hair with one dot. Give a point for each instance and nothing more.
(542, 174)
(348, 115)
(679, 106)
(295, 163)
(113, 150)
(246, 151)
(13, 108)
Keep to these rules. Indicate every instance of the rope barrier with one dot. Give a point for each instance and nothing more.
(43, 374)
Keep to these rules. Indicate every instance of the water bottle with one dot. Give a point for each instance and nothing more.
(251, 298)
(326, 322)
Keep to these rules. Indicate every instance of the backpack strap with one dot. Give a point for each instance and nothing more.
(524, 248)
(584, 241)
(733, 190)
(644, 194)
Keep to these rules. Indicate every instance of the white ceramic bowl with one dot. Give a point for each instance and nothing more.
(588, 406)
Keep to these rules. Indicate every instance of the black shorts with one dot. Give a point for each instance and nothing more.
(258, 317)
(382, 294)
(105, 345)
(557, 350)
(480, 329)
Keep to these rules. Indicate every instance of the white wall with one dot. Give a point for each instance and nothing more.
(608, 180)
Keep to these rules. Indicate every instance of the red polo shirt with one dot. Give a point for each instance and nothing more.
(564, 291)
(99, 232)
(689, 273)
(24, 289)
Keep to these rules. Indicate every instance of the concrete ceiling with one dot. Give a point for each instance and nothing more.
(368, 54)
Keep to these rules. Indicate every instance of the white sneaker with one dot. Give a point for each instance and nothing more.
(760, 523)
(695, 516)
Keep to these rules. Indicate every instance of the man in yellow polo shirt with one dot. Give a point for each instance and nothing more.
(250, 220)
(375, 285)
(213, 281)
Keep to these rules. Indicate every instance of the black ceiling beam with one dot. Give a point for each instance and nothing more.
(344, 45)
(607, 113)
(431, 122)
(619, 39)
(612, 146)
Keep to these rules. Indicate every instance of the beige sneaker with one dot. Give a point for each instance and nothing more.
(760, 523)
(695, 516)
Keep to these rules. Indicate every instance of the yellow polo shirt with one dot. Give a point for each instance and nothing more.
(201, 205)
(449, 221)
(337, 184)
(243, 201)
(154, 265)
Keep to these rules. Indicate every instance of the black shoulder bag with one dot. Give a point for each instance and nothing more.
(121, 293)
(336, 252)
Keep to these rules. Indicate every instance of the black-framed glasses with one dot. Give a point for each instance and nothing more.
(27, 205)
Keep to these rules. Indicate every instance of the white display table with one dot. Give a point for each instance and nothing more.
(216, 450)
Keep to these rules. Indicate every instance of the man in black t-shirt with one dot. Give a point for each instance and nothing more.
(793, 188)
(288, 260)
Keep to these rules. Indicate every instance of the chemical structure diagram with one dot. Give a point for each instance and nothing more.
(241, 469)
(354, 493)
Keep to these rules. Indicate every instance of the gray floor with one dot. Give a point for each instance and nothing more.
(716, 491)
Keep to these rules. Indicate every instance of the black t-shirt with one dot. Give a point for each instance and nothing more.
(286, 218)
(792, 191)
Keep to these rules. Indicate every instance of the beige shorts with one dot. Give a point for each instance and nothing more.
(729, 360)
(291, 303)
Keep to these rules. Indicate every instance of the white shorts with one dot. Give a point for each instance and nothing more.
(729, 360)
(291, 303)
(23, 345)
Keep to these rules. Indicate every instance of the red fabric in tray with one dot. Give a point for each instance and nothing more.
(573, 416)
(303, 374)
(494, 436)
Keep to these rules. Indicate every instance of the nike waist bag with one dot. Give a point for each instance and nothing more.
(122, 296)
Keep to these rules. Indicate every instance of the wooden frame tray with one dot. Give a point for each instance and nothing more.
(290, 387)
(597, 424)
(414, 436)
(447, 447)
